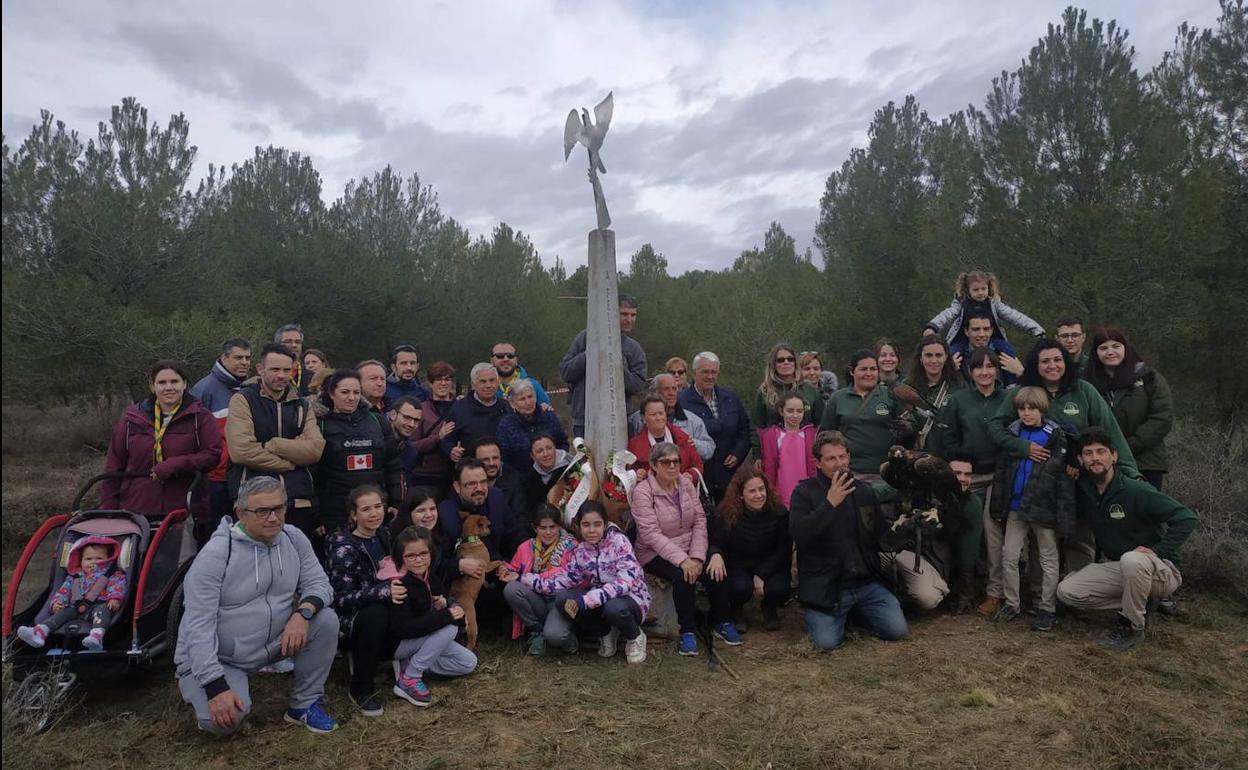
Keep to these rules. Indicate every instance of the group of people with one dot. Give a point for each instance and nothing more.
(346, 490)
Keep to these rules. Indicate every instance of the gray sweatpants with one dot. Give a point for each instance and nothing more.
(532, 608)
(312, 665)
(437, 653)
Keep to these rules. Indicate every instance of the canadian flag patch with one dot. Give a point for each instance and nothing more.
(360, 462)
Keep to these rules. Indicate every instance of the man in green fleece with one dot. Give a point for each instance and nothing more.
(1138, 529)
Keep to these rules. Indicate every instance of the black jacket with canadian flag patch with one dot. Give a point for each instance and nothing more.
(355, 453)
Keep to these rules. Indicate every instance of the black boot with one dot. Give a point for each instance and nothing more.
(1122, 636)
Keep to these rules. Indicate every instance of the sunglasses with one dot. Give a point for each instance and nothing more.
(785, 359)
(503, 355)
(676, 372)
(668, 461)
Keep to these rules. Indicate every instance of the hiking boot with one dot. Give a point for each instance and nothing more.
(368, 703)
(635, 649)
(413, 690)
(573, 646)
(35, 636)
(1122, 636)
(1168, 606)
(989, 606)
(537, 643)
(1044, 621)
(94, 641)
(1006, 614)
(688, 644)
(607, 643)
(727, 633)
(771, 619)
(313, 717)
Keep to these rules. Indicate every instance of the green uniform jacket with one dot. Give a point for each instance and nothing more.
(967, 414)
(1074, 410)
(1145, 413)
(867, 426)
(937, 441)
(1132, 513)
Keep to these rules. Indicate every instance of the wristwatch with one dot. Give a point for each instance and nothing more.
(307, 612)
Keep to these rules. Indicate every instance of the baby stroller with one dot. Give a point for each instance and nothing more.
(154, 552)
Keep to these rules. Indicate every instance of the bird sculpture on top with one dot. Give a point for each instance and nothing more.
(579, 128)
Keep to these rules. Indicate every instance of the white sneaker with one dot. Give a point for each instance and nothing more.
(635, 649)
(606, 644)
(283, 666)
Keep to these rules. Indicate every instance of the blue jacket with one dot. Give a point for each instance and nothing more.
(730, 430)
(396, 389)
(215, 389)
(506, 534)
(521, 374)
(515, 432)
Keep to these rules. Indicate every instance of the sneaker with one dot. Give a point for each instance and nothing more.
(1006, 613)
(771, 619)
(1167, 606)
(688, 643)
(989, 606)
(368, 703)
(35, 636)
(313, 717)
(607, 644)
(573, 646)
(635, 649)
(94, 641)
(727, 633)
(537, 643)
(414, 691)
(1122, 636)
(1044, 621)
(285, 666)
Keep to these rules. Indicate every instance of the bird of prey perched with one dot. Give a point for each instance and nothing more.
(929, 493)
(578, 128)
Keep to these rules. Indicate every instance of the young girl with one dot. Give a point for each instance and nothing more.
(423, 617)
(1036, 498)
(546, 553)
(978, 290)
(420, 510)
(94, 588)
(601, 589)
(788, 447)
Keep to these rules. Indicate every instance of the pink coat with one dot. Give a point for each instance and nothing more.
(669, 526)
(769, 443)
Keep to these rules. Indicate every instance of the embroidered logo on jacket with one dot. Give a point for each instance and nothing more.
(1071, 409)
(1116, 512)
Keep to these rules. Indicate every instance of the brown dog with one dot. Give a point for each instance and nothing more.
(466, 588)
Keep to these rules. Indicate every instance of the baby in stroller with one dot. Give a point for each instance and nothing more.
(94, 589)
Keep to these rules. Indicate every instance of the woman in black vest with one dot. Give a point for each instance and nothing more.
(355, 450)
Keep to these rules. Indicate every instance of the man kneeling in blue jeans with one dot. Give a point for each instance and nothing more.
(837, 526)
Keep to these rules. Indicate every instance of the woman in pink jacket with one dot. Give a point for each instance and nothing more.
(671, 533)
(547, 552)
(787, 447)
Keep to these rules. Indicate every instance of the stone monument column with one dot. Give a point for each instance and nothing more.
(606, 427)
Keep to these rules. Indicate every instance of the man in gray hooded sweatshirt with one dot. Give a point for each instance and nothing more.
(241, 614)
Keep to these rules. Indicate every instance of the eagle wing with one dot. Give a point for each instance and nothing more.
(571, 132)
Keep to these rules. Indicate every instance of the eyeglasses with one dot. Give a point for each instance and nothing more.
(417, 555)
(270, 512)
(503, 355)
(785, 359)
(1070, 335)
(668, 461)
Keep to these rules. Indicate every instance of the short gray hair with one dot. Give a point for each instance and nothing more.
(520, 387)
(705, 356)
(477, 369)
(257, 485)
(663, 449)
(277, 335)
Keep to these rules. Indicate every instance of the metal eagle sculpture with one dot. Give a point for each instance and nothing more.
(578, 129)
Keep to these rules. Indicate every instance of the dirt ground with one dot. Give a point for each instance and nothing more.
(961, 692)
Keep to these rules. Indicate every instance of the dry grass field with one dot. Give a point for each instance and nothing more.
(960, 692)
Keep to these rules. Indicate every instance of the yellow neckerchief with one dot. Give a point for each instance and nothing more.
(505, 384)
(541, 558)
(297, 375)
(161, 425)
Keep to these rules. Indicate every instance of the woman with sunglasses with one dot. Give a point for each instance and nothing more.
(780, 375)
(677, 367)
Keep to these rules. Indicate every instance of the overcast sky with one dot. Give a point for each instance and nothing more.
(728, 114)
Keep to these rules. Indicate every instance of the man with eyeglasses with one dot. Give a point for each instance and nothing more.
(1072, 337)
(572, 366)
(241, 615)
(404, 377)
(405, 416)
(507, 364)
(472, 493)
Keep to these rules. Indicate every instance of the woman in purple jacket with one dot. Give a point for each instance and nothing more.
(168, 436)
(671, 534)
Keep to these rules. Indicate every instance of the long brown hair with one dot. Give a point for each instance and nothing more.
(732, 507)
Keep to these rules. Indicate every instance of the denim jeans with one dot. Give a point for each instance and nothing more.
(871, 603)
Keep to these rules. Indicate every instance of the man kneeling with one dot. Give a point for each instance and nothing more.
(1138, 529)
(241, 615)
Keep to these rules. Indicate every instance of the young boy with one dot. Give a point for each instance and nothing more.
(93, 589)
(1033, 497)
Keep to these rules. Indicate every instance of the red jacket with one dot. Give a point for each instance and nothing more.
(192, 443)
(639, 445)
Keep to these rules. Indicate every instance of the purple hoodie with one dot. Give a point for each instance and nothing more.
(609, 568)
